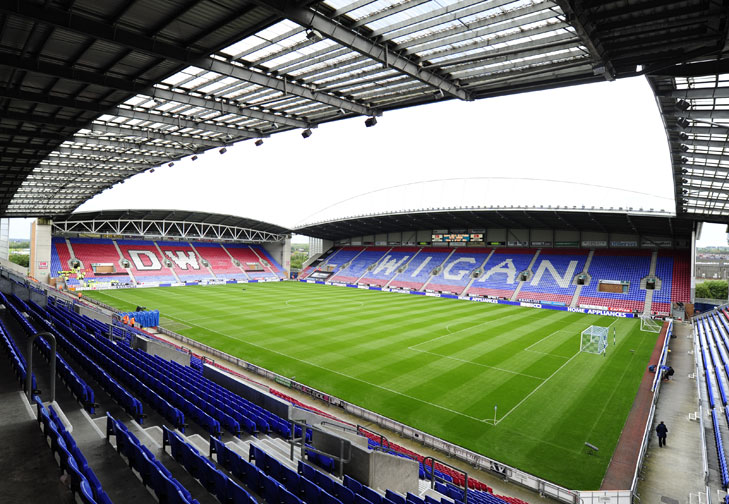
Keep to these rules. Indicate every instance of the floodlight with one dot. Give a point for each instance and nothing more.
(683, 122)
(170, 164)
(306, 133)
(194, 158)
(370, 121)
(684, 160)
(259, 142)
(313, 35)
(683, 105)
(684, 148)
(683, 136)
(151, 170)
(223, 150)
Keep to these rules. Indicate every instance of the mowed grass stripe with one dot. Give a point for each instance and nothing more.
(431, 363)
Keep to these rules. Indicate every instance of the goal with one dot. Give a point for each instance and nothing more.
(594, 339)
(647, 324)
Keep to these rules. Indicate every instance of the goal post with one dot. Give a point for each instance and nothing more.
(594, 339)
(647, 324)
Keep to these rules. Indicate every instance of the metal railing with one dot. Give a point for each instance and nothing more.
(29, 372)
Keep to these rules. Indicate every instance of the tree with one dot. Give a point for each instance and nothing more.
(712, 289)
(20, 259)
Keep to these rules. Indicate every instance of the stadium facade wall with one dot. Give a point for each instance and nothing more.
(513, 237)
(281, 253)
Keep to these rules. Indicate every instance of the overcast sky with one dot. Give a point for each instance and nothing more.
(600, 145)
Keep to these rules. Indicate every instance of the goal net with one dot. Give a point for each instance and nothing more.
(594, 339)
(647, 324)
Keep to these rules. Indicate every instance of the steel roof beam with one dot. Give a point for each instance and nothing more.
(707, 92)
(105, 156)
(704, 114)
(106, 129)
(182, 122)
(346, 36)
(61, 71)
(577, 16)
(91, 27)
(227, 106)
(122, 145)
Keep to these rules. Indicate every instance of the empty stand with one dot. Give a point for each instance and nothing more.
(145, 263)
(219, 260)
(456, 271)
(185, 262)
(95, 255)
(250, 261)
(553, 275)
(359, 266)
(620, 266)
(501, 273)
(419, 268)
(389, 264)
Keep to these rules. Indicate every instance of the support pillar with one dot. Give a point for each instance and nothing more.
(40, 250)
(4, 239)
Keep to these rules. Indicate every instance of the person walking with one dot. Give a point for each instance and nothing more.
(662, 432)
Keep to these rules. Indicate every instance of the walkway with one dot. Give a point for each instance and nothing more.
(673, 472)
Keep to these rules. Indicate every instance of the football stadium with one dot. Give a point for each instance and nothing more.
(441, 354)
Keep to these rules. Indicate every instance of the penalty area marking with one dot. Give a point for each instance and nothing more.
(540, 385)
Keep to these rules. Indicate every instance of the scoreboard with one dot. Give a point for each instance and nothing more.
(457, 237)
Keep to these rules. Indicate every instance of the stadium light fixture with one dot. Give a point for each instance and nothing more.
(370, 121)
(683, 122)
(684, 148)
(313, 35)
(683, 136)
(306, 133)
(170, 164)
(223, 150)
(151, 170)
(683, 105)
(259, 142)
(194, 158)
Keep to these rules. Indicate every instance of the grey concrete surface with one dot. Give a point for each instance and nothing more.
(675, 471)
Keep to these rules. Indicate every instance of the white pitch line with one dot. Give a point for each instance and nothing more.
(541, 384)
(345, 375)
(536, 388)
(452, 333)
(475, 363)
(537, 342)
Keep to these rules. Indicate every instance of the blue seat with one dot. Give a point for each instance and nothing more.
(87, 496)
(371, 495)
(327, 498)
(271, 490)
(253, 478)
(311, 492)
(288, 497)
(358, 499)
(238, 495)
(395, 497)
(324, 481)
(354, 485)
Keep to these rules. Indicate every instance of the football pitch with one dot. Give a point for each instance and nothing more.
(446, 367)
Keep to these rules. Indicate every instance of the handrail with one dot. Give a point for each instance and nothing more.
(29, 371)
(342, 444)
(345, 428)
(433, 476)
(382, 437)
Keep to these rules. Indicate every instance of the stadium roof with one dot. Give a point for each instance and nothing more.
(643, 224)
(92, 93)
(172, 224)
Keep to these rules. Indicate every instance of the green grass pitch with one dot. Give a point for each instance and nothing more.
(439, 365)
